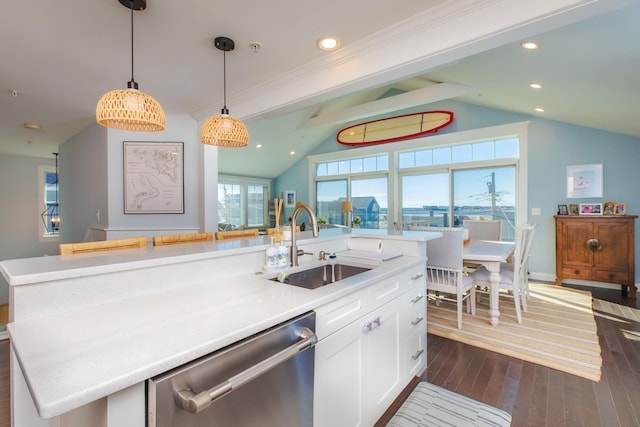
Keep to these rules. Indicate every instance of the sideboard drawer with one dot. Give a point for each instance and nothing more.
(612, 276)
(577, 273)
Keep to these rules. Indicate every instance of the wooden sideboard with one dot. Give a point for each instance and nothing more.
(596, 248)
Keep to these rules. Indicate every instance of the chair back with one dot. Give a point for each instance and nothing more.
(102, 245)
(489, 229)
(524, 241)
(237, 234)
(182, 238)
(446, 251)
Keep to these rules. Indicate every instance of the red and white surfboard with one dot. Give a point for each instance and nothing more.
(394, 128)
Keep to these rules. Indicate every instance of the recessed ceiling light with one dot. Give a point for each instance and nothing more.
(535, 85)
(539, 110)
(529, 45)
(258, 145)
(329, 43)
(292, 153)
(29, 125)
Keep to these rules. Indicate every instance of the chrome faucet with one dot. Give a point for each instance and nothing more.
(293, 256)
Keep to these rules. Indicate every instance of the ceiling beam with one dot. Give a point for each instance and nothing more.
(426, 95)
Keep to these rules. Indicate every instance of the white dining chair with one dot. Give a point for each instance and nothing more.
(444, 270)
(487, 229)
(513, 276)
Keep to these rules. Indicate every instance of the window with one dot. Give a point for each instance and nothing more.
(363, 181)
(369, 202)
(486, 193)
(242, 203)
(48, 214)
(329, 198)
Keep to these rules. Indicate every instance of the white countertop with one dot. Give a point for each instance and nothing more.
(75, 357)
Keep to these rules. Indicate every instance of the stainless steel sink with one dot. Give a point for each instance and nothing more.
(319, 276)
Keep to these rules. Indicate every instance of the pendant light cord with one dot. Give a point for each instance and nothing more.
(132, 84)
(224, 80)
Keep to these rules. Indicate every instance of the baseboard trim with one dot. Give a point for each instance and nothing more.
(545, 277)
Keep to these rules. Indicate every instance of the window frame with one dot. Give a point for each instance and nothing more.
(244, 183)
(513, 130)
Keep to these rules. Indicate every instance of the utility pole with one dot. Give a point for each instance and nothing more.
(491, 186)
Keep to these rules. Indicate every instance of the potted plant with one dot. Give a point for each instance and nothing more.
(356, 221)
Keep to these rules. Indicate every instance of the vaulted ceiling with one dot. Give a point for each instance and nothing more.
(59, 57)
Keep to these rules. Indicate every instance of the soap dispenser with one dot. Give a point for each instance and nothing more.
(283, 255)
(271, 257)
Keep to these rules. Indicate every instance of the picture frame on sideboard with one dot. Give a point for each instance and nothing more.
(590, 208)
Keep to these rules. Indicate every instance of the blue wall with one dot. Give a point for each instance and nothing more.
(552, 146)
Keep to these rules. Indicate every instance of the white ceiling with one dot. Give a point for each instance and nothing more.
(62, 56)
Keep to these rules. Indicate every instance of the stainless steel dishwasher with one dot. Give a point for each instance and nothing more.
(264, 380)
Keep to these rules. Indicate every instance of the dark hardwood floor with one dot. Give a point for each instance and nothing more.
(533, 394)
(538, 396)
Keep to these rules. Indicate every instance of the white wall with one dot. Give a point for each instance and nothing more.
(83, 183)
(20, 213)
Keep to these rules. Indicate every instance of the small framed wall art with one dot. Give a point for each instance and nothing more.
(590, 208)
(584, 181)
(153, 177)
(290, 199)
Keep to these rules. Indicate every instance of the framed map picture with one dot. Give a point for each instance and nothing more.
(153, 177)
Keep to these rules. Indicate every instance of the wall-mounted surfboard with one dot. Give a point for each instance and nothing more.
(394, 128)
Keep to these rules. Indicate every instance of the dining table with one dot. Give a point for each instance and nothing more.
(490, 254)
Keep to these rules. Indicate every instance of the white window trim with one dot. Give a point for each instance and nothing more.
(518, 129)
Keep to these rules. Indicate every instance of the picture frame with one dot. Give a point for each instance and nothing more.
(584, 181)
(574, 209)
(608, 208)
(563, 210)
(590, 208)
(290, 199)
(153, 177)
(620, 209)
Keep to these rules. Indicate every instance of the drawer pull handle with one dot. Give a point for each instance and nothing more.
(417, 354)
(374, 324)
(416, 299)
(593, 245)
(418, 320)
(416, 277)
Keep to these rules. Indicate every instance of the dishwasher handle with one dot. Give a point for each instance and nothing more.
(194, 403)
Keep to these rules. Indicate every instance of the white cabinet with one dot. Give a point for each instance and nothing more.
(365, 360)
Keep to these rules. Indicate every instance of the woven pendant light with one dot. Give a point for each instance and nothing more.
(129, 109)
(224, 130)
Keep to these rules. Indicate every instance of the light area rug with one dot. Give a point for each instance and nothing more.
(558, 330)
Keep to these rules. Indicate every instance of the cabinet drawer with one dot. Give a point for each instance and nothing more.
(577, 273)
(612, 276)
(338, 314)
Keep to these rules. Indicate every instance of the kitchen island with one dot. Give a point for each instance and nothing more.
(88, 330)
